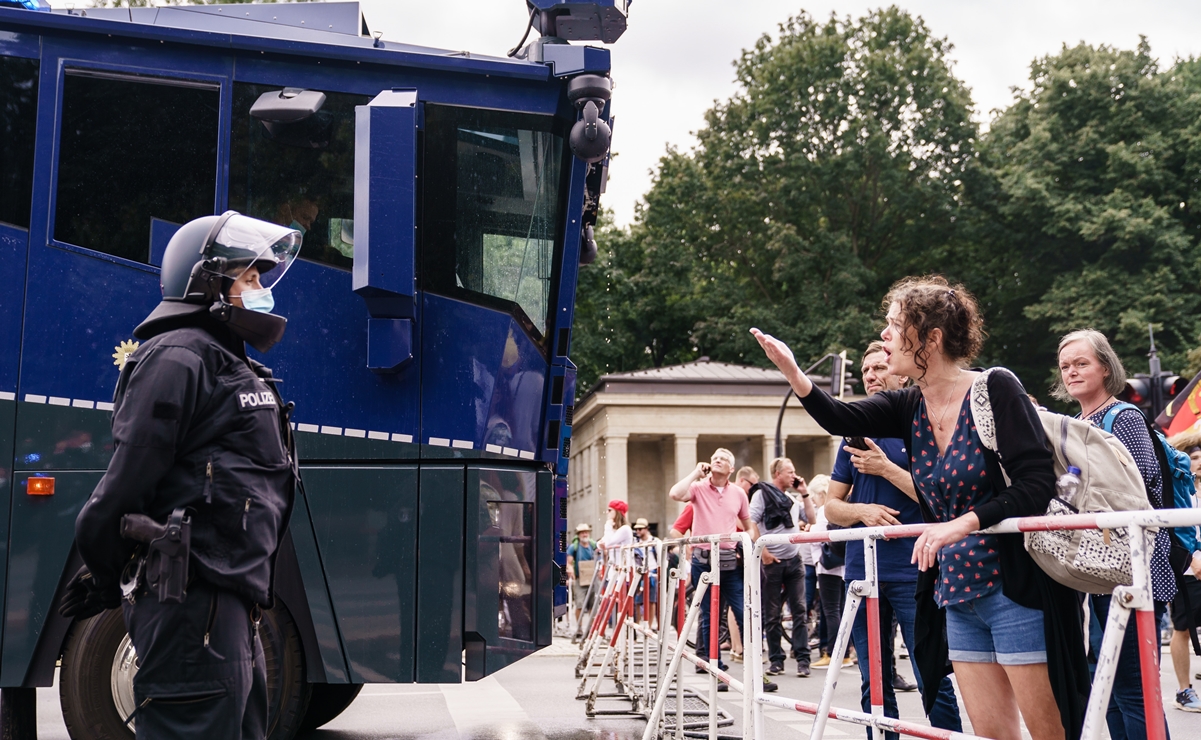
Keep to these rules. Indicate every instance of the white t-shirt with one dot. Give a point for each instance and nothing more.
(619, 537)
(820, 526)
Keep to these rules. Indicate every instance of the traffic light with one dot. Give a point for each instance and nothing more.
(1138, 392)
(1151, 396)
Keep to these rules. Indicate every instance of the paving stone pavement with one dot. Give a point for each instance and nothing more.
(535, 699)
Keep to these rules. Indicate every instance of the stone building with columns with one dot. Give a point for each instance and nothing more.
(635, 434)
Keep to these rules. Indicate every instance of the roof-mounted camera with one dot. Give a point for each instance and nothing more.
(590, 136)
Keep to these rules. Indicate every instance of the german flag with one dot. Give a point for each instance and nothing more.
(1183, 413)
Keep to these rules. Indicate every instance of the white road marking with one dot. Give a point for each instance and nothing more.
(486, 705)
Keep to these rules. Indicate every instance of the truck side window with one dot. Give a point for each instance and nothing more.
(493, 202)
(301, 175)
(131, 149)
(18, 123)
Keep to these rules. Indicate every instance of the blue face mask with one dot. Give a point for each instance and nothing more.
(258, 300)
(296, 225)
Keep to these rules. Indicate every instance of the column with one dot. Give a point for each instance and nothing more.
(685, 463)
(616, 466)
(769, 454)
(685, 457)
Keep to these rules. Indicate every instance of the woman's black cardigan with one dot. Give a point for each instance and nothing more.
(1022, 445)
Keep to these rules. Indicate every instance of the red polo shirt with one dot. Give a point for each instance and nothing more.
(717, 512)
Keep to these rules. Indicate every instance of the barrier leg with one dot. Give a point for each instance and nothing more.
(875, 659)
(854, 596)
(611, 649)
(652, 721)
(665, 609)
(595, 629)
(598, 628)
(682, 601)
(715, 614)
(752, 643)
(1148, 647)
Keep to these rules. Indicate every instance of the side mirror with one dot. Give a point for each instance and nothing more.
(290, 116)
(290, 105)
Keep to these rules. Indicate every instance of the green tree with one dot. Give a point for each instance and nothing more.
(837, 167)
(1087, 217)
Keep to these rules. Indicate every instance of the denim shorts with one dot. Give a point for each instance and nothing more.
(993, 629)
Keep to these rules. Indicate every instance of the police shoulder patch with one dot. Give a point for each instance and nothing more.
(256, 400)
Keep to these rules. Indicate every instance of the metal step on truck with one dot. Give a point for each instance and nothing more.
(447, 202)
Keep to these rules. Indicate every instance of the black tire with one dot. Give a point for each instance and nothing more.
(287, 691)
(85, 679)
(92, 665)
(328, 700)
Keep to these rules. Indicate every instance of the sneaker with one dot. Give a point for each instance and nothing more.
(821, 662)
(802, 671)
(722, 687)
(900, 683)
(814, 642)
(1187, 700)
(769, 686)
(849, 660)
(775, 669)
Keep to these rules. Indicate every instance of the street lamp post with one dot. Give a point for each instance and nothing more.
(837, 378)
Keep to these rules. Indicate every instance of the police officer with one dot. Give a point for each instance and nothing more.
(202, 449)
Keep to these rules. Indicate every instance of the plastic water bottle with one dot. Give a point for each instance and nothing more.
(1068, 485)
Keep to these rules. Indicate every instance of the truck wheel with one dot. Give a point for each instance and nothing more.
(99, 663)
(328, 701)
(95, 684)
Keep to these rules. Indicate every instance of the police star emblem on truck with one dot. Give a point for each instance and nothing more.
(123, 351)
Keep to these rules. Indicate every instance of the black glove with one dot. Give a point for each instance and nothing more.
(82, 598)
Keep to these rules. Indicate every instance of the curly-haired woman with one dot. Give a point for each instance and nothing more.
(1013, 636)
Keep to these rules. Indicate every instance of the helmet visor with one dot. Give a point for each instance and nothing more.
(246, 242)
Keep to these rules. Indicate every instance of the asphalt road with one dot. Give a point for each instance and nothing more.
(535, 699)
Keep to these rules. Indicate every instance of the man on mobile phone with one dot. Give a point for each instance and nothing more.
(775, 508)
(871, 486)
(718, 506)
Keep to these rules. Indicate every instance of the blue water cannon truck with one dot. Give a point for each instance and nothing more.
(447, 201)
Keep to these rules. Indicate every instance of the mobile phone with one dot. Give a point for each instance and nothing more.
(857, 442)
(705, 469)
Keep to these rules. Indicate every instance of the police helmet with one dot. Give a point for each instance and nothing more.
(202, 261)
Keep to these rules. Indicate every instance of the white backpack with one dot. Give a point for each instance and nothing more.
(1089, 560)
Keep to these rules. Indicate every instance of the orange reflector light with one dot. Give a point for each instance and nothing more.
(40, 486)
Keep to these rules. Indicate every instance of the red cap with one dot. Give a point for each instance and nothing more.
(619, 505)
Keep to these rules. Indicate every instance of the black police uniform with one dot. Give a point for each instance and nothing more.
(198, 425)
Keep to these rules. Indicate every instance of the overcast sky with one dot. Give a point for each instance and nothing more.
(675, 59)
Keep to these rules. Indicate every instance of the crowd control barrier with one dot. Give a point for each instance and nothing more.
(646, 660)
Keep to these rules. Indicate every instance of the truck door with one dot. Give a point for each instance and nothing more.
(492, 212)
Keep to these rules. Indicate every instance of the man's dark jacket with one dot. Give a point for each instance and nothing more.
(197, 425)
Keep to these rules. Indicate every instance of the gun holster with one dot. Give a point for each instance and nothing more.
(165, 564)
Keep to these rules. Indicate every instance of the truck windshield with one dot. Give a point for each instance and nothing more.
(493, 204)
